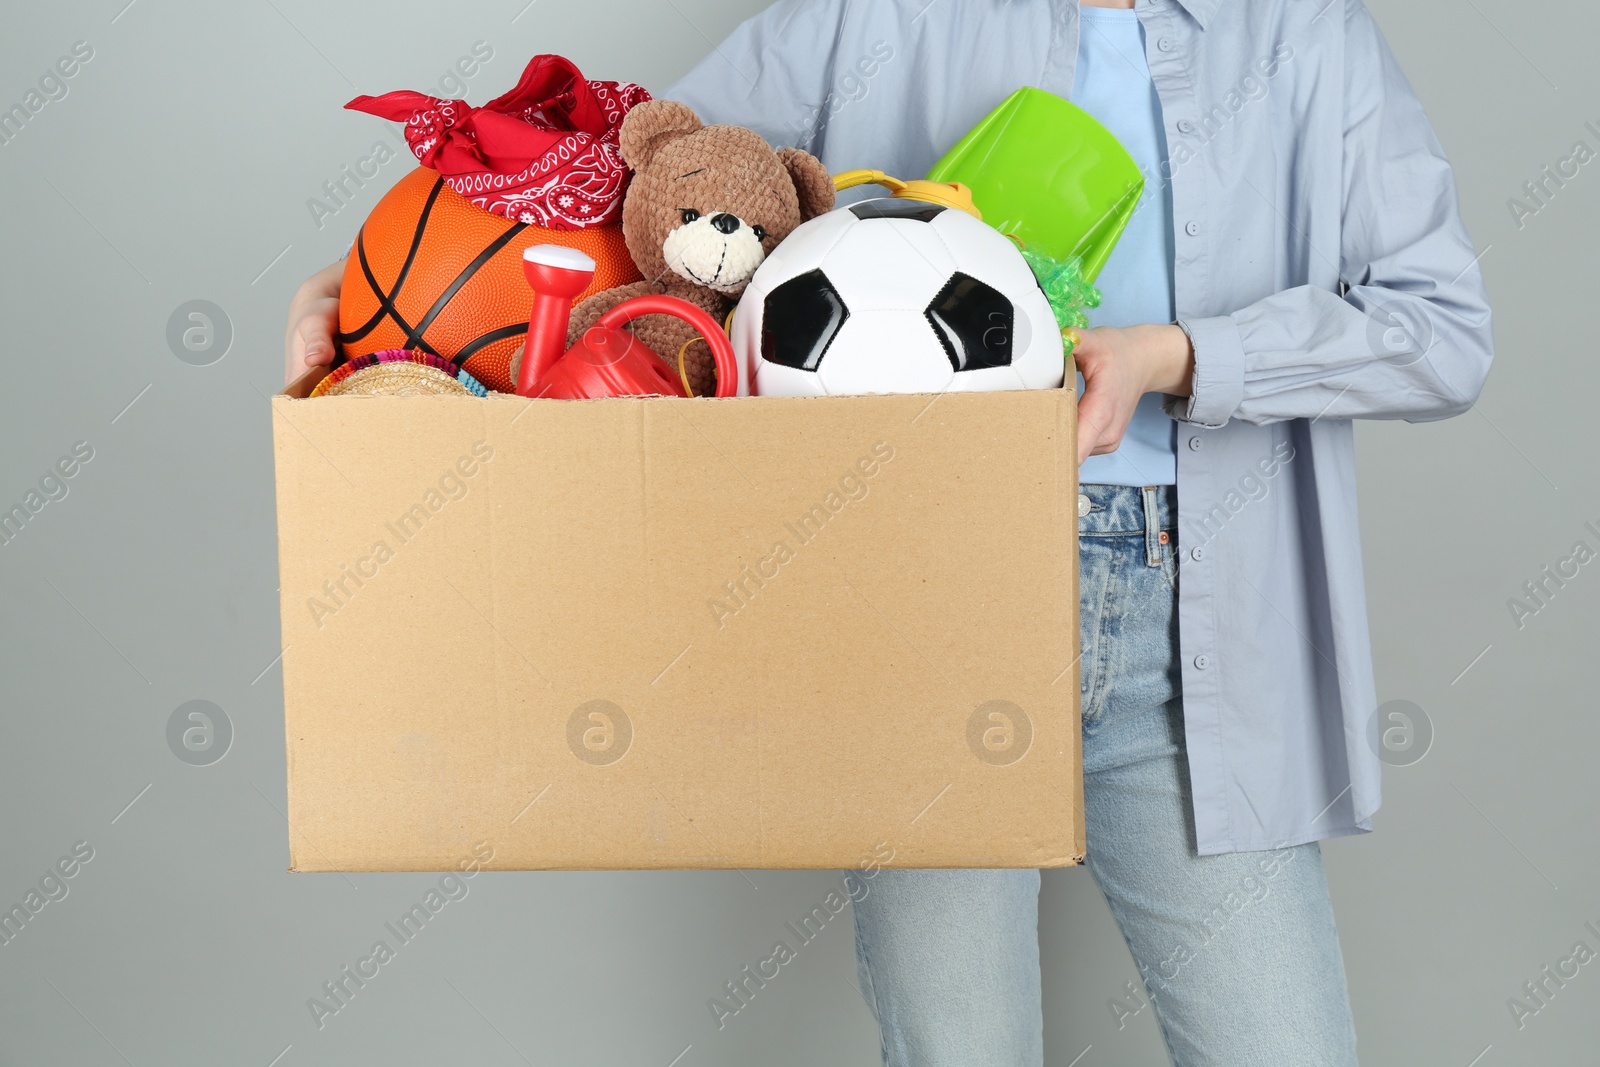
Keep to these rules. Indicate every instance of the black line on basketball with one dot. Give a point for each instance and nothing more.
(385, 307)
(378, 315)
(416, 241)
(386, 304)
(498, 334)
(415, 336)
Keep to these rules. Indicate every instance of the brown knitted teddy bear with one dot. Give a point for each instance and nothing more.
(705, 206)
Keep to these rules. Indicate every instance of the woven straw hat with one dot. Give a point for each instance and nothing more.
(397, 372)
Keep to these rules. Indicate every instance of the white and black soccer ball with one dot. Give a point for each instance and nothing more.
(896, 296)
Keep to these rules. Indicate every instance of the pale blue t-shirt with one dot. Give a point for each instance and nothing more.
(1113, 84)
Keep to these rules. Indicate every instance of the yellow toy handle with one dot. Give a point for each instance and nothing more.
(683, 372)
(945, 194)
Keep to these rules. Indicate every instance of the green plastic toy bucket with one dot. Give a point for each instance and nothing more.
(1044, 169)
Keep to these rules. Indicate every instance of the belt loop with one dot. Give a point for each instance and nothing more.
(1152, 526)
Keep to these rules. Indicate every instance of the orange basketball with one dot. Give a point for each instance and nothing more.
(432, 271)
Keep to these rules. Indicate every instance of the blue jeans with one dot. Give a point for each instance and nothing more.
(1238, 952)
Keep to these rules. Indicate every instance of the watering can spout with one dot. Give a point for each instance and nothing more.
(607, 361)
(557, 275)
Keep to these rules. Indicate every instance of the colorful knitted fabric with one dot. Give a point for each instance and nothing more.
(399, 355)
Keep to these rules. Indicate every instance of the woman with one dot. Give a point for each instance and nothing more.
(1297, 262)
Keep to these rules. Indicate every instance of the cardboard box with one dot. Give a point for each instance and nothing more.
(671, 633)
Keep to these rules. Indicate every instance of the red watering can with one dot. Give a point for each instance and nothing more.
(607, 360)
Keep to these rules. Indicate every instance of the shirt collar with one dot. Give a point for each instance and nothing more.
(1202, 10)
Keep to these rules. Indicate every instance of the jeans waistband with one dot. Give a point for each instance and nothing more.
(1128, 509)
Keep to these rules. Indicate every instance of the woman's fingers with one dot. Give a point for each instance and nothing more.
(1109, 393)
(1088, 432)
(311, 337)
(313, 321)
(317, 328)
(1091, 414)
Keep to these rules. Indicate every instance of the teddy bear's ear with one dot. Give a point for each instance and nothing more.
(811, 180)
(648, 126)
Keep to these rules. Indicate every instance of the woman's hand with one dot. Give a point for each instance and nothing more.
(313, 320)
(1119, 365)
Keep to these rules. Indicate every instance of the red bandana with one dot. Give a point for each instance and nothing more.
(545, 153)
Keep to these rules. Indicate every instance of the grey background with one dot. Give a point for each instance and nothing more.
(178, 167)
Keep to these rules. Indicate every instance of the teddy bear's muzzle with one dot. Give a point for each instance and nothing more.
(717, 251)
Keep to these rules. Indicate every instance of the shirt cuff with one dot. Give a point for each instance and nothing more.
(1218, 384)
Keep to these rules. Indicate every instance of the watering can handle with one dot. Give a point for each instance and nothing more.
(653, 304)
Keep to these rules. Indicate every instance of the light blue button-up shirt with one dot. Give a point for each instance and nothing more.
(1321, 271)
(1113, 84)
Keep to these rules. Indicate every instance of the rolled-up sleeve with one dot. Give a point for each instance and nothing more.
(1410, 336)
(1218, 385)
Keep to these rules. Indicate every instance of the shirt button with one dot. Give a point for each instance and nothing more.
(1202, 661)
(1191, 228)
(1166, 44)
(1083, 505)
(1197, 553)
(1194, 444)
(1185, 126)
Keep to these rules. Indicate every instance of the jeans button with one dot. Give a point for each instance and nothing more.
(1202, 661)
(1083, 505)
